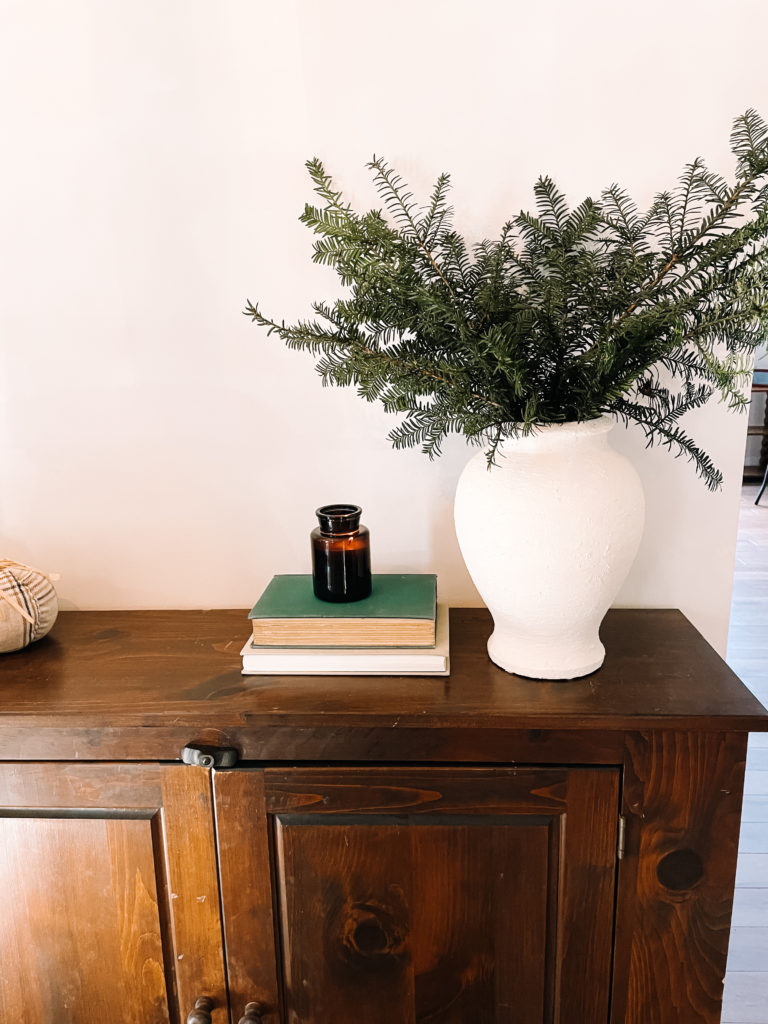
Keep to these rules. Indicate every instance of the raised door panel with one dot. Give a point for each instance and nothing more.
(426, 896)
(110, 895)
(81, 933)
(377, 916)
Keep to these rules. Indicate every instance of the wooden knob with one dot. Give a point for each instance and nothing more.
(201, 1014)
(254, 1013)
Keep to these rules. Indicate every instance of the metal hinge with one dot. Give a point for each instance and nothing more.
(621, 837)
(209, 757)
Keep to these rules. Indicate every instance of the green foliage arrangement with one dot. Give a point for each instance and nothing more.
(570, 314)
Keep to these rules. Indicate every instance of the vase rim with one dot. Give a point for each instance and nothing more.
(598, 425)
(545, 434)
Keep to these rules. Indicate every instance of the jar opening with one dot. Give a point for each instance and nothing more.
(339, 518)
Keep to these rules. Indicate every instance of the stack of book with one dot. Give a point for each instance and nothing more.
(399, 630)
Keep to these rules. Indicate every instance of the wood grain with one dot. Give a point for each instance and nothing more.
(387, 870)
(682, 799)
(116, 677)
(445, 895)
(246, 893)
(192, 881)
(84, 941)
(105, 871)
(588, 860)
(411, 791)
(319, 742)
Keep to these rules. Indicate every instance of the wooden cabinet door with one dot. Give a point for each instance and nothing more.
(422, 896)
(110, 894)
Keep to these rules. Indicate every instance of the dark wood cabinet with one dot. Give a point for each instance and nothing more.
(477, 849)
(111, 897)
(436, 894)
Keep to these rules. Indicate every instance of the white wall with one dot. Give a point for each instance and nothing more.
(155, 448)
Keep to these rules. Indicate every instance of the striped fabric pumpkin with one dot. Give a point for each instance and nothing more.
(28, 605)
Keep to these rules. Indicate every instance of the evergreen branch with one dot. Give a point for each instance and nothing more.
(658, 429)
(568, 315)
(689, 182)
(716, 217)
(437, 213)
(314, 339)
(391, 185)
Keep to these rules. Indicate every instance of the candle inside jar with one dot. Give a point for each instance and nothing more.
(341, 554)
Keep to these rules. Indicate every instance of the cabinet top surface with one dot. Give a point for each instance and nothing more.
(150, 668)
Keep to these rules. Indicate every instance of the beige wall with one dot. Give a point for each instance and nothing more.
(155, 448)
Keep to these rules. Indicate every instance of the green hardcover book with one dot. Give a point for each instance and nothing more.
(400, 612)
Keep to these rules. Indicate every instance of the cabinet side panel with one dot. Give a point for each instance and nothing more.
(246, 891)
(682, 800)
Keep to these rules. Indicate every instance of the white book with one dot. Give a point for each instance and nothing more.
(348, 661)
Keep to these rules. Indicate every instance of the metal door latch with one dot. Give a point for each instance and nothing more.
(209, 757)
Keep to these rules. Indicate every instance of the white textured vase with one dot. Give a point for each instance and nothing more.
(548, 535)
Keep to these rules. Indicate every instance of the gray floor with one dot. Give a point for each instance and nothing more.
(746, 981)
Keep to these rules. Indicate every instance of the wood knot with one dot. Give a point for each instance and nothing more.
(371, 930)
(680, 869)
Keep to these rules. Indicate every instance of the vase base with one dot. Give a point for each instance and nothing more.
(510, 656)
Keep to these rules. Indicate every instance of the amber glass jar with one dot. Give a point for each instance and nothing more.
(341, 554)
